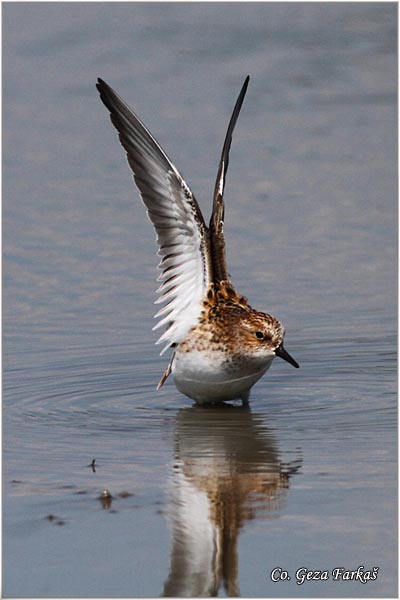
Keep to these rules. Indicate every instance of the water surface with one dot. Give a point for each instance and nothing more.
(199, 501)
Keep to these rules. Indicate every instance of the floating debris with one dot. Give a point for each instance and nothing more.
(125, 494)
(57, 520)
(105, 498)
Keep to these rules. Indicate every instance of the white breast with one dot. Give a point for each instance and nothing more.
(208, 377)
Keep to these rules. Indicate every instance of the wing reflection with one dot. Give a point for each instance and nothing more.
(227, 471)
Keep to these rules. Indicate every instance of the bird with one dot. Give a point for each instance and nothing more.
(221, 345)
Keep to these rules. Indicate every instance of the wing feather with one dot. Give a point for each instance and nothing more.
(182, 234)
(217, 216)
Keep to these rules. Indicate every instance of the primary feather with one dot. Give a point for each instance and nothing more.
(182, 234)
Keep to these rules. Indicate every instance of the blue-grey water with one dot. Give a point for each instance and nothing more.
(203, 501)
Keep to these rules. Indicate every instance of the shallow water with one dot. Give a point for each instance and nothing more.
(203, 500)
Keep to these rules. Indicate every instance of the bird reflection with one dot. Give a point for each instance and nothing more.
(227, 471)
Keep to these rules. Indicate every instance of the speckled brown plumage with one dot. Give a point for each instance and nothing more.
(229, 324)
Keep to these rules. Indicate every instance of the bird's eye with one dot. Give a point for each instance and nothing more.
(260, 335)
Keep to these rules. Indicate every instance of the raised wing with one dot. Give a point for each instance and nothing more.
(182, 234)
(217, 217)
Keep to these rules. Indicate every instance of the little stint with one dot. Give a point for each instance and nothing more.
(221, 345)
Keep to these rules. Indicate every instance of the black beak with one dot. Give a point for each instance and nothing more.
(281, 352)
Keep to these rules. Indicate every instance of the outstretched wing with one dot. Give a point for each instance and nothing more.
(217, 217)
(182, 234)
